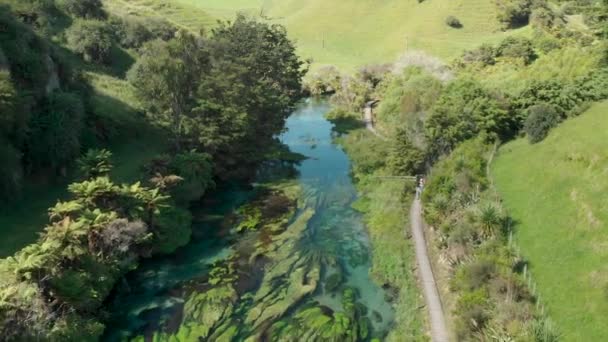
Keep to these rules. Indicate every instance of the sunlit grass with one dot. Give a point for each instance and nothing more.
(556, 191)
(350, 33)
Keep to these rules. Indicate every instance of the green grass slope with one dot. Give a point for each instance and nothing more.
(350, 33)
(556, 191)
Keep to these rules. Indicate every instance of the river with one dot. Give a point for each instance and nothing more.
(155, 296)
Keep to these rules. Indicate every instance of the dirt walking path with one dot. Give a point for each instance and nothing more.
(439, 332)
(368, 119)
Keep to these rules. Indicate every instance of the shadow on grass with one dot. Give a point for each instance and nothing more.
(344, 125)
(119, 63)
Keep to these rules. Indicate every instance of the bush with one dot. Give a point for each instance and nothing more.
(172, 229)
(540, 119)
(512, 47)
(131, 32)
(91, 39)
(326, 80)
(83, 8)
(196, 169)
(452, 21)
(485, 55)
(161, 29)
(514, 13)
(544, 18)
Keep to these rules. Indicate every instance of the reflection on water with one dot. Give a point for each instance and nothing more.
(336, 236)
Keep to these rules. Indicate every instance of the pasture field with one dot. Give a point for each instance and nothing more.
(556, 193)
(348, 33)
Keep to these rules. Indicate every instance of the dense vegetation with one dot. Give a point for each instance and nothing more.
(385, 205)
(445, 118)
(227, 94)
(207, 102)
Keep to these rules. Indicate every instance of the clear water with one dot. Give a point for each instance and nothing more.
(155, 290)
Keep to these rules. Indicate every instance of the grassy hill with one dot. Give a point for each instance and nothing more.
(350, 33)
(556, 191)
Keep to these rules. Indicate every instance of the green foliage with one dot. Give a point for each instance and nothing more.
(404, 158)
(563, 96)
(544, 18)
(55, 131)
(406, 101)
(95, 163)
(172, 229)
(462, 111)
(472, 240)
(92, 40)
(367, 152)
(539, 121)
(514, 13)
(483, 55)
(195, 169)
(518, 48)
(164, 77)
(352, 94)
(89, 9)
(326, 80)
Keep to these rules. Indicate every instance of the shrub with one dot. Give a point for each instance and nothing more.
(540, 119)
(131, 32)
(426, 62)
(196, 170)
(513, 47)
(91, 39)
(161, 29)
(172, 229)
(95, 163)
(352, 94)
(452, 21)
(327, 80)
(544, 18)
(514, 13)
(374, 73)
(485, 55)
(83, 8)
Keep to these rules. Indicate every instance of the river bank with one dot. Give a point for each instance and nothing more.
(384, 204)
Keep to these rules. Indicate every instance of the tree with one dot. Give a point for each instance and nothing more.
(540, 119)
(55, 130)
(91, 39)
(255, 84)
(405, 158)
(462, 111)
(165, 78)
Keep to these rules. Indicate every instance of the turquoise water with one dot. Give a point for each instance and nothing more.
(154, 294)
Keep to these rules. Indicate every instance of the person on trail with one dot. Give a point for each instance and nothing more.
(418, 187)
